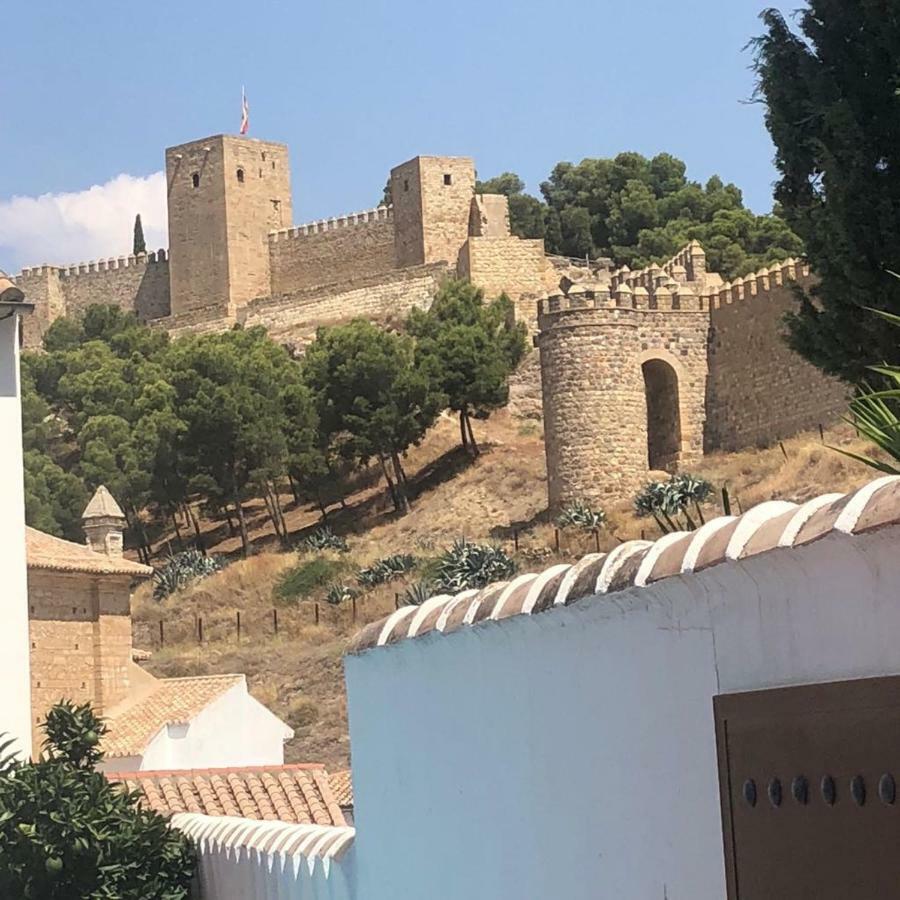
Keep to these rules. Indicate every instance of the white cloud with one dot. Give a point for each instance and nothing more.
(75, 227)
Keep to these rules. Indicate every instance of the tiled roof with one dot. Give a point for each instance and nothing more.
(47, 552)
(342, 788)
(102, 506)
(765, 528)
(295, 793)
(172, 701)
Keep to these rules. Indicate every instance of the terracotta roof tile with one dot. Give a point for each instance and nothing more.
(636, 564)
(301, 794)
(48, 552)
(172, 701)
(342, 788)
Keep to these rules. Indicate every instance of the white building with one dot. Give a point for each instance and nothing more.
(15, 694)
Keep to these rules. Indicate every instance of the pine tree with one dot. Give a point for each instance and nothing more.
(140, 245)
(833, 109)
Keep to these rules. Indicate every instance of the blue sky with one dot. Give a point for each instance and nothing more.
(94, 90)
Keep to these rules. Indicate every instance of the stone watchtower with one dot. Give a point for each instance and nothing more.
(225, 194)
(624, 370)
(104, 524)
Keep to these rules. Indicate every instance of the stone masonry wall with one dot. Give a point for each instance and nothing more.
(335, 250)
(138, 284)
(759, 390)
(508, 264)
(80, 631)
(296, 315)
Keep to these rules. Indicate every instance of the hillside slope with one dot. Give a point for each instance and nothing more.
(499, 497)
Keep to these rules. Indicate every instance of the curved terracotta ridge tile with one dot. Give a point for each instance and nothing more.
(422, 612)
(462, 598)
(390, 632)
(698, 541)
(510, 599)
(543, 590)
(882, 509)
(579, 581)
(821, 522)
(752, 520)
(483, 604)
(659, 553)
(614, 562)
(860, 501)
(625, 573)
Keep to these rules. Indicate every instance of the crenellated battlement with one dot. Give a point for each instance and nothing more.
(364, 217)
(762, 282)
(97, 265)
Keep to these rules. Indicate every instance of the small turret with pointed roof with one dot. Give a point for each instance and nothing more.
(104, 523)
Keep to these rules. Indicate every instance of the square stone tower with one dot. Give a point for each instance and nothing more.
(225, 194)
(432, 198)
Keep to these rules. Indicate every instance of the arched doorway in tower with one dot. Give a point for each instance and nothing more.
(663, 415)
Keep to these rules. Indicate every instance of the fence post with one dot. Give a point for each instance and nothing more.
(821, 433)
(597, 539)
(275, 620)
(396, 600)
(353, 607)
(781, 444)
(556, 538)
(162, 635)
(516, 539)
(317, 611)
(199, 629)
(238, 626)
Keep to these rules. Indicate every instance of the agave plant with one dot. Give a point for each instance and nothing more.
(873, 412)
(340, 593)
(670, 502)
(386, 569)
(580, 515)
(324, 539)
(466, 565)
(181, 569)
(416, 594)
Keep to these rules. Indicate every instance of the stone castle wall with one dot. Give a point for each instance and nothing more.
(332, 251)
(760, 390)
(138, 284)
(80, 630)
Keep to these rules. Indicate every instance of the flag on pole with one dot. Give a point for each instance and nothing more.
(245, 112)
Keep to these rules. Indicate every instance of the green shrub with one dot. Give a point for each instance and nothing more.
(340, 593)
(182, 569)
(580, 515)
(466, 565)
(324, 539)
(671, 502)
(307, 577)
(386, 569)
(66, 831)
(416, 594)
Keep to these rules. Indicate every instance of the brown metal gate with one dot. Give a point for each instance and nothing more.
(809, 785)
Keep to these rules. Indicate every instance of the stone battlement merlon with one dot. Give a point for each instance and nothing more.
(364, 217)
(757, 283)
(96, 265)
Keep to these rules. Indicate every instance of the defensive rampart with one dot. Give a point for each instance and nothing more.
(332, 250)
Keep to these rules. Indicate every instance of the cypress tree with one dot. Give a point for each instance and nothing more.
(140, 245)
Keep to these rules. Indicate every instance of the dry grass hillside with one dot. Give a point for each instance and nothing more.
(499, 497)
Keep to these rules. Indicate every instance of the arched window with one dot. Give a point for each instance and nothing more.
(195, 179)
(663, 415)
(240, 175)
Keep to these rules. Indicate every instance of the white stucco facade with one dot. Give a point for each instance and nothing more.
(233, 730)
(15, 682)
(572, 753)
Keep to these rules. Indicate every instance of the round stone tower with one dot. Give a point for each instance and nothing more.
(593, 395)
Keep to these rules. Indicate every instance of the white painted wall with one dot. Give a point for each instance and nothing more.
(572, 754)
(233, 730)
(15, 681)
(242, 859)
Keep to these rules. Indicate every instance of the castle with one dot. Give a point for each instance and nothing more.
(234, 256)
(638, 371)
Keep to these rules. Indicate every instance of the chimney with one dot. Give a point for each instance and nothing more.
(104, 523)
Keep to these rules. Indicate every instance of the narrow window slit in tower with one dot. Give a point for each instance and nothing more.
(240, 176)
(448, 178)
(195, 179)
